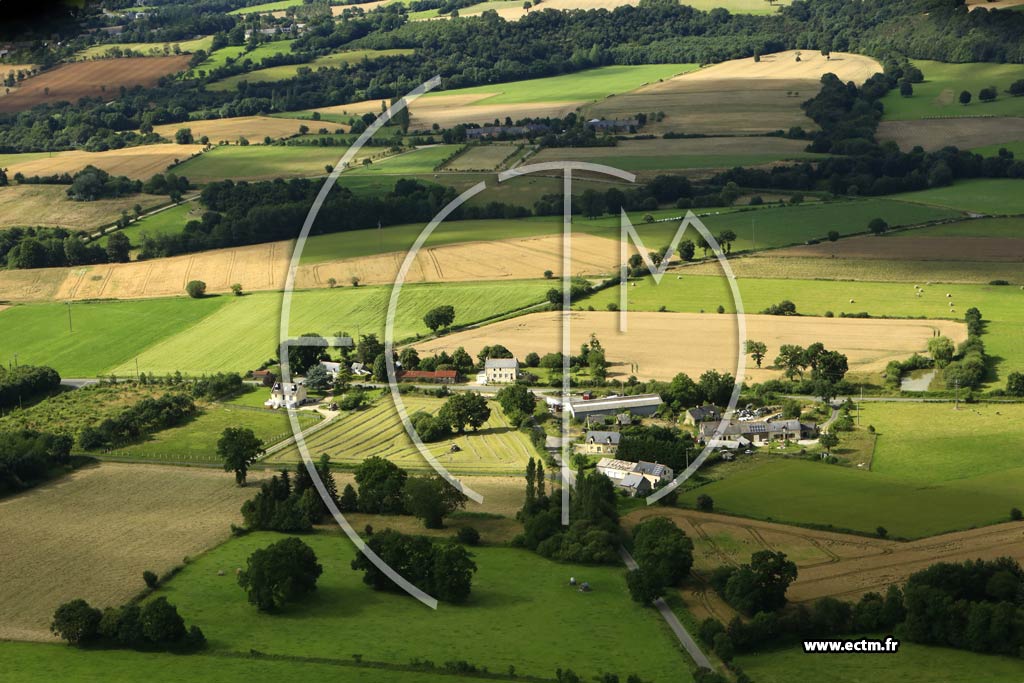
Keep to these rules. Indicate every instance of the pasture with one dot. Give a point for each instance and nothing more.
(196, 440)
(974, 240)
(138, 163)
(1016, 146)
(32, 662)
(253, 128)
(804, 492)
(669, 155)
(957, 445)
(939, 94)
(73, 542)
(1002, 196)
(914, 664)
(497, 448)
(104, 335)
(395, 628)
(111, 50)
(482, 157)
(286, 71)
(96, 78)
(262, 162)
(419, 160)
(700, 341)
(964, 133)
(167, 222)
(48, 205)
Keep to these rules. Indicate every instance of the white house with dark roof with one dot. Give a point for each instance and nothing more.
(620, 470)
(598, 442)
(286, 395)
(640, 404)
(708, 413)
(760, 432)
(501, 370)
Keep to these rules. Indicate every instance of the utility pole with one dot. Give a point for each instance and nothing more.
(860, 405)
(956, 404)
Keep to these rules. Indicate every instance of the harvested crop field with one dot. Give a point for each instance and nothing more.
(498, 260)
(135, 162)
(830, 564)
(97, 78)
(911, 246)
(253, 128)
(965, 133)
(99, 552)
(701, 341)
(482, 158)
(48, 205)
(745, 96)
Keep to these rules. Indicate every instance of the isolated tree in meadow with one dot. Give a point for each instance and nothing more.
(756, 350)
(195, 288)
(988, 94)
(354, 280)
(465, 409)
(965, 97)
(705, 503)
(279, 573)
(184, 136)
(517, 401)
(833, 235)
(236, 289)
(548, 274)
(238, 447)
(441, 316)
(725, 239)
(431, 499)
(878, 226)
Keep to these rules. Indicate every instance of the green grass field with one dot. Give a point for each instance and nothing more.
(1016, 147)
(196, 440)
(420, 160)
(931, 443)
(267, 7)
(33, 662)
(280, 73)
(219, 58)
(813, 493)
(377, 430)
(204, 336)
(913, 664)
(262, 162)
(105, 335)
(203, 43)
(167, 222)
(519, 600)
(939, 94)
(1001, 196)
(1002, 228)
(592, 84)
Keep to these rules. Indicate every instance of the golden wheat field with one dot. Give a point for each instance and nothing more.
(965, 133)
(701, 341)
(135, 162)
(48, 205)
(253, 128)
(92, 533)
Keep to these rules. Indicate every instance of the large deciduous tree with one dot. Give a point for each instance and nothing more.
(238, 447)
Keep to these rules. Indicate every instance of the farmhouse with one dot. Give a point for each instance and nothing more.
(613, 124)
(708, 413)
(594, 442)
(264, 377)
(501, 370)
(641, 404)
(760, 432)
(637, 478)
(286, 395)
(438, 376)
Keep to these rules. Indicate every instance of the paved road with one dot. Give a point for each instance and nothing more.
(685, 639)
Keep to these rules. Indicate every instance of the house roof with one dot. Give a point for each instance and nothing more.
(703, 413)
(634, 480)
(613, 464)
(614, 403)
(501, 363)
(741, 428)
(428, 374)
(604, 437)
(653, 469)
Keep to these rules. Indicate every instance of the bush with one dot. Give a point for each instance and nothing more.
(705, 503)
(196, 289)
(150, 578)
(1016, 515)
(468, 535)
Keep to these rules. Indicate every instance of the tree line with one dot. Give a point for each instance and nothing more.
(26, 383)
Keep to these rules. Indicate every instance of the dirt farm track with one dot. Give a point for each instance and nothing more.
(97, 78)
(830, 564)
